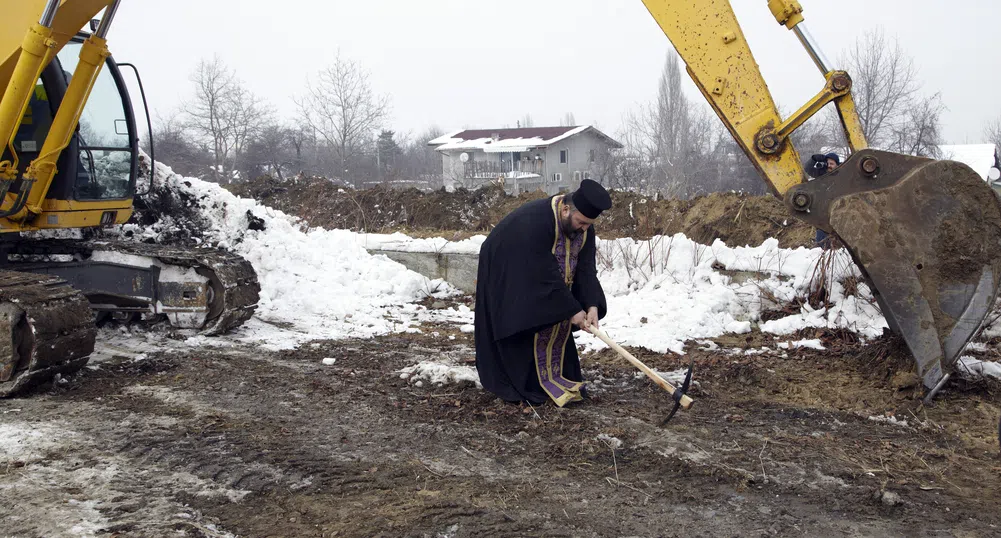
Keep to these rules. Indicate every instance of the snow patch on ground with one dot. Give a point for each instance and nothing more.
(612, 442)
(25, 442)
(889, 420)
(440, 374)
(79, 496)
(813, 343)
(972, 368)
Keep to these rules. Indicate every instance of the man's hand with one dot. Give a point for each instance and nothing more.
(592, 316)
(579, 319)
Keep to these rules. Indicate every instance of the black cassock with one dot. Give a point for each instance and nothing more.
(531, 280)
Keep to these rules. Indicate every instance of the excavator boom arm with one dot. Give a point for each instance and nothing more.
(70, 17)
(707, 36)
(924, 233)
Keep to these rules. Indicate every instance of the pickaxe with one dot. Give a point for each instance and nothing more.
(678, 394)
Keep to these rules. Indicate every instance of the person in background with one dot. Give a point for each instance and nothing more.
(821, 164)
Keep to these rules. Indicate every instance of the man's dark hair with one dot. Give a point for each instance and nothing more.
(568, 201)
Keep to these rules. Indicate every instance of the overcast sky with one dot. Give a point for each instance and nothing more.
(479, 63)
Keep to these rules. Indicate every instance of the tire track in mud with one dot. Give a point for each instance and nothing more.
(253, 444)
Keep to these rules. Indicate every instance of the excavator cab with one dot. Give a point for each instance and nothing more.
(926, 234)
(100, 163)
(70, 159)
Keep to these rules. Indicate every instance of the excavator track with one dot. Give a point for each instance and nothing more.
(227, 301)
(233, 278)
(47, 328)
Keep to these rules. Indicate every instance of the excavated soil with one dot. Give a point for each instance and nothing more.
(736, 219)
(231, 440)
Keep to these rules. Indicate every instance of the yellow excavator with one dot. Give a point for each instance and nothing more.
(70, 161)
(925, 233)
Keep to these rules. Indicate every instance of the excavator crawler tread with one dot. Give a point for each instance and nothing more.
(231, 275)
(46, 328)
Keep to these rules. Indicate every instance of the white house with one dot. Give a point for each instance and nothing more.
(554, 159)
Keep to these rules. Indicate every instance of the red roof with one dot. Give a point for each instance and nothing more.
(544, 133)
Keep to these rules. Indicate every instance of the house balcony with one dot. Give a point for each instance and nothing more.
(494, 169)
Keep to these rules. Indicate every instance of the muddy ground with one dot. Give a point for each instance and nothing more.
(734, 218)
(224, 440)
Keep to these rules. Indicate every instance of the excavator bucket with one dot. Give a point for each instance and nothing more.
(926, 234)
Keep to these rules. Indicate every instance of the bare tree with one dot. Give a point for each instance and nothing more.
(884, 82)
(299, 137)
(684, 144)
(420, 161)
(919, 132)
(224, 114)
(626, 169)
(249, 117)
(993, 132)
(887, 94)
(568, 120)
(526, 121)
(343, 109)
(270, 151)
(207, 112)
(176, 147)
(673, 123)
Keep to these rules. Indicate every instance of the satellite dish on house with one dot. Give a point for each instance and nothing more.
(994, 174)
(463, 157)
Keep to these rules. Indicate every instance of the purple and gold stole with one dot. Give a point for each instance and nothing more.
(550, 343)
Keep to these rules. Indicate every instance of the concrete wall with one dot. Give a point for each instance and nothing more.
(458, 270)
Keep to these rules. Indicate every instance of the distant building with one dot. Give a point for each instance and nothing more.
(553, 159)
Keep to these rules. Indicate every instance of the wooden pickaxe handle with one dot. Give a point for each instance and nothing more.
(685, 401)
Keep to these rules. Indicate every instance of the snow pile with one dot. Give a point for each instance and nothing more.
(661, 292)
(322, 282)
(668, 290)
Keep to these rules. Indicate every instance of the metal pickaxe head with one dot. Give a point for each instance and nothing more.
(677, 393)
(680, 393)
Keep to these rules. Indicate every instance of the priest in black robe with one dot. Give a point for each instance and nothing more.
(536, 284)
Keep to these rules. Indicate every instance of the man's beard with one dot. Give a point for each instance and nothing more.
(566, 226)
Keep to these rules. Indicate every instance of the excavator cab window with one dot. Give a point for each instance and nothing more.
(34, 126)
(105, 152)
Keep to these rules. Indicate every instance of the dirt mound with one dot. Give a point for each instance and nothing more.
(734, 218)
